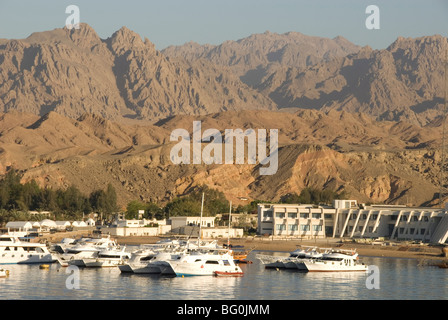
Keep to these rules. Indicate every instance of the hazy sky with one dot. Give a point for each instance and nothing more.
(174, 22)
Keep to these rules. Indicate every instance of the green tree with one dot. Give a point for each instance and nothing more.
(133, 207)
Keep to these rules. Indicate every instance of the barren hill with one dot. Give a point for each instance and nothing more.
(373, 161)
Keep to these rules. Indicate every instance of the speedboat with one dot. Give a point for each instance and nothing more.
(13, 251)
(336, 261)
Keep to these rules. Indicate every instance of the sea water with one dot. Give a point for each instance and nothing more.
(399, 279)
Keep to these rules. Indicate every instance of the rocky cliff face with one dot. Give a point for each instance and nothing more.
(72, 72)
(403, 82)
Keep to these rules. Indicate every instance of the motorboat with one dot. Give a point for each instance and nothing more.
(62, 246)
(139, 259)
(203, 263)
(159, 264)
(15, 251)
(293, 261)
(228, 274)
(336, 261)
(110, 257)
(86, 249)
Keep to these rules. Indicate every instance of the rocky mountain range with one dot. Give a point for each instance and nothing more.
(77, 109)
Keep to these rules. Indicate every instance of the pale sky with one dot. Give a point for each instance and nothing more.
(174, 22)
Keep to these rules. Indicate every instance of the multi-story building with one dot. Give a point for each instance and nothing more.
(346, 219)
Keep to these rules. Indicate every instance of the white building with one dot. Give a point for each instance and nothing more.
(19, 226)
(346, 219)
(62, 225)
(139, 228)
(207, 222)
(79, 224)
(190, 226)
(48, 224)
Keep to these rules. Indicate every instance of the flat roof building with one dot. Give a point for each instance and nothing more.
(346, 219)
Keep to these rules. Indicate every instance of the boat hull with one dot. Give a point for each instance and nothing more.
(195, 269)
(34, 259)
(228, 274)
(328, 266)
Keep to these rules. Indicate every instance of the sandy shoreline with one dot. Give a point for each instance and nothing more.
(398, 250)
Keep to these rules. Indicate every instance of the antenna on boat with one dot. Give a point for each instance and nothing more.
(228, 233)
(200, 220)
(442, 177)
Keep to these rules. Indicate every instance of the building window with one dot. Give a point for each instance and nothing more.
(317, 228)
(304, 215)
(316, 215)
(280, 227)
(328, 216)
(267, 214)
(292, 227)
(292, 215)
(280, 215)
(304, 227)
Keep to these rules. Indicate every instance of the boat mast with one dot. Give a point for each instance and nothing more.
(200, 220)
(228, 233)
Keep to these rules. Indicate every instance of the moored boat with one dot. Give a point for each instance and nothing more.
(111, 257)
(336, 261)
(203, 264)
(14, 251)
(228, 274)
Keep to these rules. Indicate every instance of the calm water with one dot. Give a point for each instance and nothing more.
(399, 279)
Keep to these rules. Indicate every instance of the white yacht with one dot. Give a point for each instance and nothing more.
(336, 261)
(293, 261)
(88, 248)
(139, 259)
(150, 259)
(209, 263)
(110, 257)
(158, 264)
(13, 251)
